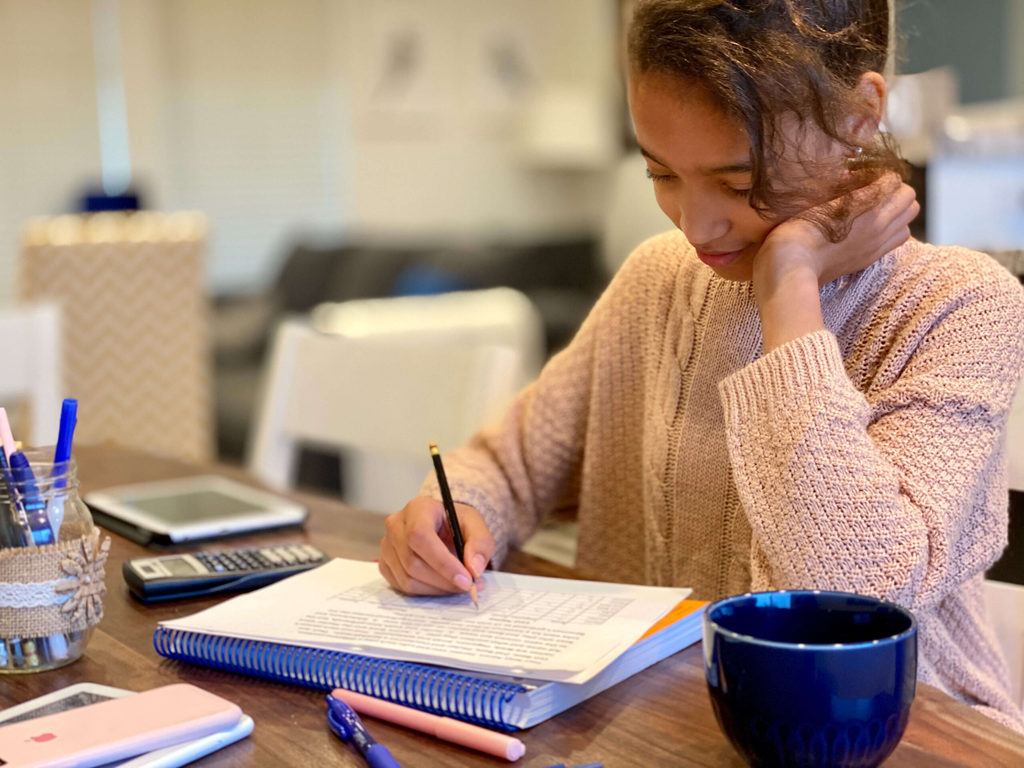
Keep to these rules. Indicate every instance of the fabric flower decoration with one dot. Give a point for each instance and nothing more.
(85, 584)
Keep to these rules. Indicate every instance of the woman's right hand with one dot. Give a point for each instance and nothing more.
(417, 555)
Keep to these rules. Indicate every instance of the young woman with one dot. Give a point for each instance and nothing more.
(785, 393)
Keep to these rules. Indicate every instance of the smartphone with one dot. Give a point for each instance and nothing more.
(106, 731)
(83, 694)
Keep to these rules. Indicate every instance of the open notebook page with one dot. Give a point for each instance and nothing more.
(526, 626)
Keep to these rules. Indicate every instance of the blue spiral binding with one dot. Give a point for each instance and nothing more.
(431, 689)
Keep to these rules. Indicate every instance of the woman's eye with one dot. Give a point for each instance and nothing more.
(745, 193)
(658, 176)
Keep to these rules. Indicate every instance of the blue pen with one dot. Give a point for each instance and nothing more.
(61, 457)
(348, 727)
(18, 530)
(58, 644)
(10, 518)
(65, 433)
(32, 501)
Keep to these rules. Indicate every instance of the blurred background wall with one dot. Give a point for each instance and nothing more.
(981, 39)
(275, 116)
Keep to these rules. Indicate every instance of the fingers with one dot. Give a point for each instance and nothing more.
(415, 559)
(395, 574)
(418, 560)
(479, 544)
(866, 198)
(887, 201)
(889, 217)
(903, 200)
(897, 215)
(899, 230)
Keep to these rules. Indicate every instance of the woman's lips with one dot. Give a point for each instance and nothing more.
(720, 258)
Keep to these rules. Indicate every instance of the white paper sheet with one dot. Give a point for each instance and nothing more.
(528, 626)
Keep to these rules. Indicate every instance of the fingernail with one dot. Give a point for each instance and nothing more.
(478, 564)
(461, 581)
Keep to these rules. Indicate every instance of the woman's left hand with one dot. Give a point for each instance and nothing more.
(796, 258)
(876, 229)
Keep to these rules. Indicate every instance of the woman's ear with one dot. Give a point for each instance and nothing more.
(868, 108)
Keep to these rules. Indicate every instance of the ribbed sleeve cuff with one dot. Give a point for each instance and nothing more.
(798, 366)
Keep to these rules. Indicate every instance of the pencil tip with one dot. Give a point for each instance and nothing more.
(473, 596)
(433, 448)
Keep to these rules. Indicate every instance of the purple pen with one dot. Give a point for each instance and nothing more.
(348, 727)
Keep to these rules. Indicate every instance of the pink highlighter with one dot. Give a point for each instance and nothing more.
(455, 731)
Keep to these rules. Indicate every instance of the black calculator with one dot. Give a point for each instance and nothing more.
(198, 574)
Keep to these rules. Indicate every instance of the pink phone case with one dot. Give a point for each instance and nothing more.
(116, 729)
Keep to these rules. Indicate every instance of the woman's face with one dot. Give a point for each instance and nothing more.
(699, 160)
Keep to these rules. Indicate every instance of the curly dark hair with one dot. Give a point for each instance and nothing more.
(763, 60)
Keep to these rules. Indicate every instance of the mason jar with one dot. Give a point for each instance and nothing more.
(51, 564)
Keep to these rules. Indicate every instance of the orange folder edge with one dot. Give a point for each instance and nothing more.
(683, 608)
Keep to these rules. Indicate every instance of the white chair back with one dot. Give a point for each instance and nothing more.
(387, 398)
(30, 369)
(491, 316)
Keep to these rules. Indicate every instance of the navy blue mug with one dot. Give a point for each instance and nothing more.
(810, 678)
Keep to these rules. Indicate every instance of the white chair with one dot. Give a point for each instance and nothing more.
(458, 319)
(30, 370)
(502, 316)
(387, 397)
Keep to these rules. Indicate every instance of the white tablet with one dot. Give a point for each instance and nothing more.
(190, 509)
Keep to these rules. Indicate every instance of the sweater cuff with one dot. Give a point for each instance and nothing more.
(797, 366)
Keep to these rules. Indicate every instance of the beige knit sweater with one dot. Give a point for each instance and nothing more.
(866, 458)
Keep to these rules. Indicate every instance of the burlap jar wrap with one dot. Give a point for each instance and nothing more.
(53, 589)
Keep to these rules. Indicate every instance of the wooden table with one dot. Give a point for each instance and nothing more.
(660, 717)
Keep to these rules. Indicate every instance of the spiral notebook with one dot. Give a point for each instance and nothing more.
(536, 647)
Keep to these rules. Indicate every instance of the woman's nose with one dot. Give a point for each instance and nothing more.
(701, 222)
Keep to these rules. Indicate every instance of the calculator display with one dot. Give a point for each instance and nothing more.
(178, 566)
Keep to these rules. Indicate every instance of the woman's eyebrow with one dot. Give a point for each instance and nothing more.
(649, 156)
(743, 166)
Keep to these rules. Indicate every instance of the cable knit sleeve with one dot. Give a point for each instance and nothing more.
(898, 490)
